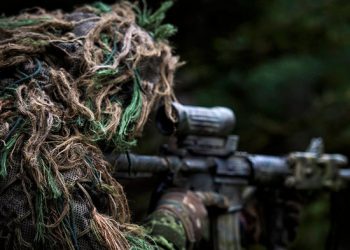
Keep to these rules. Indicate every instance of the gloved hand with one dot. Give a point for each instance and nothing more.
(271, 218)
(251, 224)
(291, 206)
(180, 216)
(188, 208)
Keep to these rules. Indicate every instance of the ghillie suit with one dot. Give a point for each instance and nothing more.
(70, 83)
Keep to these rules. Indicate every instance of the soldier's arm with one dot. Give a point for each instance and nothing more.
(166, 231)
(178, 221)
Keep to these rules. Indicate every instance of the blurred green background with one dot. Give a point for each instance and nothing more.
(281, 65)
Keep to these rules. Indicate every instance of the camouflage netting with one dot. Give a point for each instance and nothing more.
(68, 83)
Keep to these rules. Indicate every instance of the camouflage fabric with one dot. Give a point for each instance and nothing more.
(166, 230)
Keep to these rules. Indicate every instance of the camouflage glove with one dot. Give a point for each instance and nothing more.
(188, 208)
(251, 225)
(291, 205)
(181, 217)
(271, 218)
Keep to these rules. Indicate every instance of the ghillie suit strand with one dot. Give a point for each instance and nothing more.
(68, 84)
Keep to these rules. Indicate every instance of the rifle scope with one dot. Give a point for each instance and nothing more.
(194, 120)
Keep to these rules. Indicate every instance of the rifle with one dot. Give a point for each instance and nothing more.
(204, 157)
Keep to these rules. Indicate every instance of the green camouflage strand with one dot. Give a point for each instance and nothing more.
(130, 115)
(4, 154)
(153, 21)
(8, 23)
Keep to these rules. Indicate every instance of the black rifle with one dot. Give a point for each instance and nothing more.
(204, 157)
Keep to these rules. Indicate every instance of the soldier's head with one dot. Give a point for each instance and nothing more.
(67, 83)
(96, 71)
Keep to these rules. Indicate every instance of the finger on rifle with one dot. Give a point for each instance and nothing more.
(212, 199)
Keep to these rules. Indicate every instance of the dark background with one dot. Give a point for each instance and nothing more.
(281, 65)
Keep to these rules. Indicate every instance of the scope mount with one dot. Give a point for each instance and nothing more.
(210, 146)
